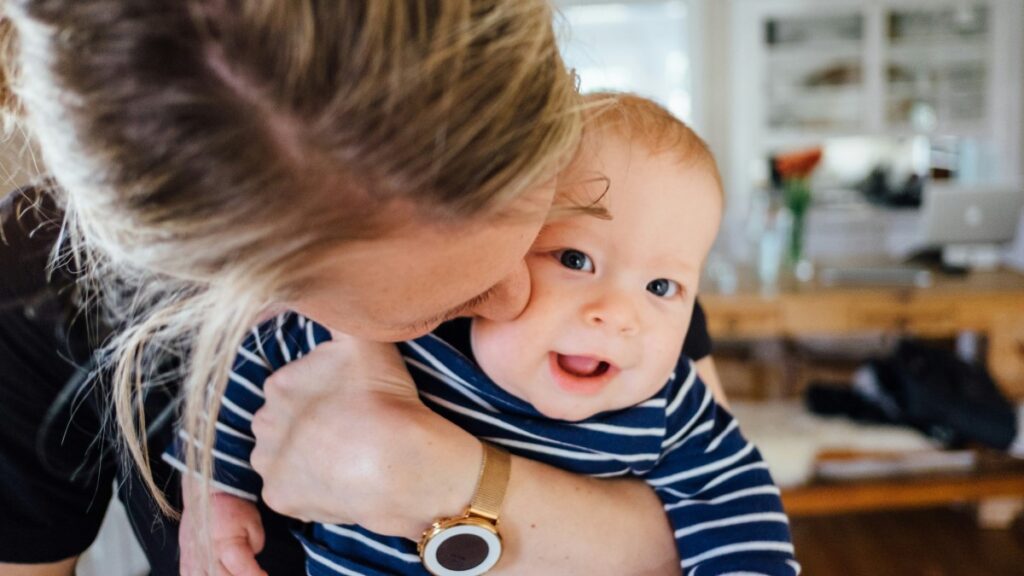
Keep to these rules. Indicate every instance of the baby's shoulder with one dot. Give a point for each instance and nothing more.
(284, 338)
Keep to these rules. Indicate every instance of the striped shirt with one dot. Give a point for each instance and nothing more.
(724, 508)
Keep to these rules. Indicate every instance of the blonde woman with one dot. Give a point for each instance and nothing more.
(381, 166)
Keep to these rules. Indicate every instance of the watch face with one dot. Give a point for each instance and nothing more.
(462, 550)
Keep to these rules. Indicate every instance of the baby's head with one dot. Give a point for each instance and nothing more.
(612, 297)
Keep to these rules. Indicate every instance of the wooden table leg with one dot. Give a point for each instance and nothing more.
(1006, 352)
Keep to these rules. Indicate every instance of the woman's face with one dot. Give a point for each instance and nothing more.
(403, 286)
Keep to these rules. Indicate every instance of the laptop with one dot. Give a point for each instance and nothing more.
(968, 224)
(983, 214)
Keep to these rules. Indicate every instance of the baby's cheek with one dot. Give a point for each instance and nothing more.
(498, 349)
(663, 357)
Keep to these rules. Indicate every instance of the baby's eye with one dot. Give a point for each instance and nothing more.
(663, 287)
(575, 260)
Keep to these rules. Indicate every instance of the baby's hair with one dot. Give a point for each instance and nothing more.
(641, 122)
(644, 122)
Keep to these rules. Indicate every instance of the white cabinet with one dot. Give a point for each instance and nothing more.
(813, 67)
(807, 71)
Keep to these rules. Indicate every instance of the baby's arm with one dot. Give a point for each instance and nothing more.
(236, 529)
(724, 508)
(236, 532)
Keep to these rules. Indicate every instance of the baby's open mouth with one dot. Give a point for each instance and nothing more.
(583, 366)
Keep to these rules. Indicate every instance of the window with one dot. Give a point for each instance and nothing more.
(643, 46)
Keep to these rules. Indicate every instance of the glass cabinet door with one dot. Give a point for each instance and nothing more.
(815, 71)
(936, 72)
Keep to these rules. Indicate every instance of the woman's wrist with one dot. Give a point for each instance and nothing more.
(448, 462)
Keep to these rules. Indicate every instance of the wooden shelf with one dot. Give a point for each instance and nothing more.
(864, 495)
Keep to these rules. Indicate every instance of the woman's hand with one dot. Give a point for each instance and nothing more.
(343, 438)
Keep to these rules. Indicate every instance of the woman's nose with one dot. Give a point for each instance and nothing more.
(508, 298)
(614, 312)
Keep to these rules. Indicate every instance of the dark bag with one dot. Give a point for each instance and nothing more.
(929, 389)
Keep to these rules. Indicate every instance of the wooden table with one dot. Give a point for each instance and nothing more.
(990, 304)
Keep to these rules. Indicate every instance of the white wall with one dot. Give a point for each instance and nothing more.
(714, 84)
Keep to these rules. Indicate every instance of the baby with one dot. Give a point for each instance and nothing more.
(589, 378)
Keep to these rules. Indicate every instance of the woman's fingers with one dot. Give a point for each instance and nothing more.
(378, 366)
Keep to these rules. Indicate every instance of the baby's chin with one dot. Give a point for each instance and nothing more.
(569, 411)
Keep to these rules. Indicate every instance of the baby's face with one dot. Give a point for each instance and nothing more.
(611, 299)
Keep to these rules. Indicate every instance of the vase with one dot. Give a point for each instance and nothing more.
(797, 194)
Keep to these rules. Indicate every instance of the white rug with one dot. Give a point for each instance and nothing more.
(790, 437)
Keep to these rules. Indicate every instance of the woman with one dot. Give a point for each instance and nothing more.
(385, 163)
(55, 468)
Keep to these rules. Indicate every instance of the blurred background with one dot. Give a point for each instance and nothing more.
(865, 294)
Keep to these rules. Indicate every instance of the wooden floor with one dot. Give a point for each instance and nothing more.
(930, 542)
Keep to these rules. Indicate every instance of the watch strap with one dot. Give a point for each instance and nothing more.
(495, 469)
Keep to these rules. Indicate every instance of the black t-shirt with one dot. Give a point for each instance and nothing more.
(52, 508)
(57, 461)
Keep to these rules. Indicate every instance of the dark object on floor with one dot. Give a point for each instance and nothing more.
(929, 389)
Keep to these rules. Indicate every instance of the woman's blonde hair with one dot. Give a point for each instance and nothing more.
(207, 151)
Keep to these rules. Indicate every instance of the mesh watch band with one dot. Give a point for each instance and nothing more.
(492, 483)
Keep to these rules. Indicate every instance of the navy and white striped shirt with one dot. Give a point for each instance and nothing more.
(719, 497)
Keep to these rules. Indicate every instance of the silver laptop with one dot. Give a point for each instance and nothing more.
(983, 214)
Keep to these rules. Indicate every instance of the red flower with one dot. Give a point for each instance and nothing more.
(798, 164)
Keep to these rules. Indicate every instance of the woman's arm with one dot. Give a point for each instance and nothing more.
(555, 522)
(408, 466)
(62, 568)
(709, 374)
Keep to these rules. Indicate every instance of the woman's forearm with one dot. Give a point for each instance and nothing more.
(62, 568)
(555, 522)
(708, 373)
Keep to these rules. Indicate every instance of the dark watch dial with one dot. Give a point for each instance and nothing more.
(462, 552)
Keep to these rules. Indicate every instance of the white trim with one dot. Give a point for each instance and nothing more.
(701, 470)
(686, 429)
(329, 563)
(768, 546)
(246, 384)
(583, 456)
(733, 425)
(378, 546)
(737, 495)
(619, 430)
(757, 517)
(253, 358)
(180, 467)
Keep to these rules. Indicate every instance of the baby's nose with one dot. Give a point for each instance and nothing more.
(615, 313)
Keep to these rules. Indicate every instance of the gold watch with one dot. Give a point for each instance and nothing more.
(469, 544)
